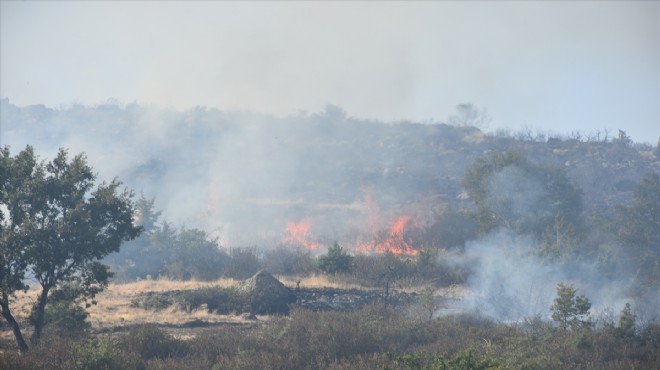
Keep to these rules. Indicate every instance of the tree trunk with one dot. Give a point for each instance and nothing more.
(6, 313)
(39, 316)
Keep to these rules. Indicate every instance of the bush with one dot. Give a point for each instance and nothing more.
(375, 337)
(153, 301)
(63, 313)
(196, 257)
(243, 263)
(68, 318)
(101, 353)
(149, 341)
(336, 260)
(216, 299)
(285, 261)
(381, 269)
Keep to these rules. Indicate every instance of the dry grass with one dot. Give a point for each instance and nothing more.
(114, 303)
(316, 281)
(114, 307)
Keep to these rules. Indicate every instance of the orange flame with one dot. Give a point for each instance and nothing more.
(298, 234)
(393, 241)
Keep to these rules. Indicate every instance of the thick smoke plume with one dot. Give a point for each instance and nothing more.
(239, 175)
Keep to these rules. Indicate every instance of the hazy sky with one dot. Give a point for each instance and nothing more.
(553, 65)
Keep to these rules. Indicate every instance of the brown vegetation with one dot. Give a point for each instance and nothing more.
(372, 338)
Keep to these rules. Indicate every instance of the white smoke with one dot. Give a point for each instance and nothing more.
(509, 282)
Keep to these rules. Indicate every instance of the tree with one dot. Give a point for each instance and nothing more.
(639, 230)
(146, 215)
(570, 311)
(59, 227)
(197, 256)
(139, 257)
(450, 229)
(508, 191)
(558, 242)
(467, 114)
(429, 304)
(627, 321)
(476, 182)
(336, 260)
(622, 147)
(16, 178)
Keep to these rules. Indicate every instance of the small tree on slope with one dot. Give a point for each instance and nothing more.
(571, 311)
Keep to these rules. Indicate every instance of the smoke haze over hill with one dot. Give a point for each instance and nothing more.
(553, 66)
(312, 179)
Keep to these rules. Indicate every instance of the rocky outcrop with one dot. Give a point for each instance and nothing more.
(265, 294)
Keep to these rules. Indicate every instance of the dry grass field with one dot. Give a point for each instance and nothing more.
(114, 309)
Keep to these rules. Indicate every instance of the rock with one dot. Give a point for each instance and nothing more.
(265, 294)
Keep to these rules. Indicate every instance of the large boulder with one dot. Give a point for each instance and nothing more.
(265, 294)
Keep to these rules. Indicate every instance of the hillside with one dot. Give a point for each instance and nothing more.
(248, 174)
(389, 213)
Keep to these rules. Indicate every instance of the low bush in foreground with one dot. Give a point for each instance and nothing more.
(372, 338)
(214, 299)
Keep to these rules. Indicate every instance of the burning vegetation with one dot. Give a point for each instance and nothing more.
(393, 240)
(297, 234)
(385, 209)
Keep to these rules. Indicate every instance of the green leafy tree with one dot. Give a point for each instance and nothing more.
(146, 215)
(571, 311)
(476, 182)
(17, 178)
(508, 191)
(639, 230)
(336, 260)
(59, 226)
(627, 322)
(196, 256)
(139, 257)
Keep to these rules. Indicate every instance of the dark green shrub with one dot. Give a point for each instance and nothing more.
(571, 311)
(67, 317)
(196, 256)
(466, 359)
(336, 260)
(63, 313)
(101, 353)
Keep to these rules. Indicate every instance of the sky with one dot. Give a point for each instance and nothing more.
(552, 66)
